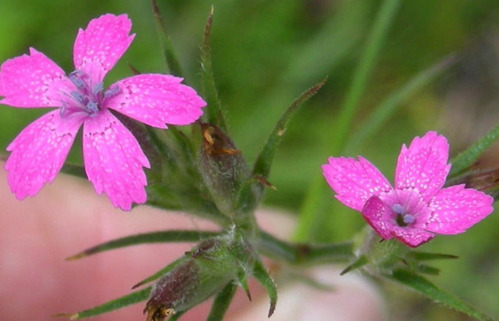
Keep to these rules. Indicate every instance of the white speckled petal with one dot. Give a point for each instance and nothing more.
(101, 45)
(354, 181)
(412, 237)
(157, 100)
(39, 151)
(380, 216)
(423, 166)
(32, 81)
(455, 209)
(114, 160)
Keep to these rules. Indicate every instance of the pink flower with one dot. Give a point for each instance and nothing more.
(418, 206)
(113, 158)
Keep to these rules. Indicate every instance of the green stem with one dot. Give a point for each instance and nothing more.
(303, 254)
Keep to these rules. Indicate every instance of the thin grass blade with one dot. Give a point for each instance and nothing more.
(145, 238)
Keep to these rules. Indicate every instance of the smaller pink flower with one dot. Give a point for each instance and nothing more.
(417, 206)
(113, 159)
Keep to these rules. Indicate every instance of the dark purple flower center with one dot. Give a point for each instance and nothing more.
(402, 219)
(87, 97)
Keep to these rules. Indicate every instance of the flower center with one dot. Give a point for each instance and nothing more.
(88, 98)
(402, 219)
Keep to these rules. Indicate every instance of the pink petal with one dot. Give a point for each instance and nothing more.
(455, 209)
(380, 216)
(39, 151)
(354, 181)
(101, 45)
(157, 99)
(423, 165)
(412, 236)
(31, 81)
(114, 160)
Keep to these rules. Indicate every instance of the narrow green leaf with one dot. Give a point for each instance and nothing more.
(160, 273)
(389, 105)
(260, 273)
(154, 237)
(360, 261)
(221, 302)
(173, 65)
(468, 157)
(425, 287)
(112, 305)
(426, 269)
(306, 254)
(426, 256)
(262, 165)
(213, 112)
(243, 281)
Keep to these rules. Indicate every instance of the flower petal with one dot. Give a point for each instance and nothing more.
(156, 99)
(380, 216)
(39, 151)
(32, 81)
(114, 160)
(455, 209)
(354, 181)
(423, 165)
(412, 236)
(101, 45)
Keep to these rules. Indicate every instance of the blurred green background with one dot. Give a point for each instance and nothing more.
(266, 53)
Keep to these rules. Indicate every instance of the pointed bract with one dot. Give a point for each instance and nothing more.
(417, 207)
(114, 160)
(101, 45)
(157, 100)
(39, 152)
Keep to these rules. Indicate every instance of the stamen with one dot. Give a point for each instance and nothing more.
(110, 92)
(398, 209)
(76, 79)
(92, 107)
(408, 219)
(79, 97)
(97, 89)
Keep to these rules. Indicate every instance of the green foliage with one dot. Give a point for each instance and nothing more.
(425, 287)
(264, 54)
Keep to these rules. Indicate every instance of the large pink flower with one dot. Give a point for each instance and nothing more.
(417, 206)
(113, 158)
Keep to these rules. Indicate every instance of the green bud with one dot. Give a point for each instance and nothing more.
(223, 168)
(203, 271)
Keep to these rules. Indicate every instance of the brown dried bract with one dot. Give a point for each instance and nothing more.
(216, 142)
(158, 313)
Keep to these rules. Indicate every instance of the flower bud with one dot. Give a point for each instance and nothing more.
(222, 166)
(202, 272)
